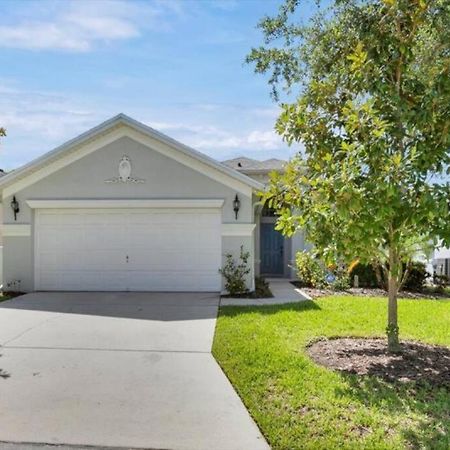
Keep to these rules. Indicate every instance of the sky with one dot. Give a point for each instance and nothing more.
(176, 65)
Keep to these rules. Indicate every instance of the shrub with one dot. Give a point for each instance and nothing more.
(262, 289)
(236, 272)
(366, 275)
(441, 280)
(310, 270)
(417, 277)
(313, 273)
(342, 282)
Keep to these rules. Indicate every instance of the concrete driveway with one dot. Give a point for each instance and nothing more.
(130, 370)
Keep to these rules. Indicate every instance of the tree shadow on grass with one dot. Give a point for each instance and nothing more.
(233, 311)
(426, 408)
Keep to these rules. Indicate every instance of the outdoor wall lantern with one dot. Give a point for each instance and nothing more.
(236, 206)
(15, 207)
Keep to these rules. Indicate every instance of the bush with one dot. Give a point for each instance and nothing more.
(366, 275)
(313, 273)
(415, 282)
(262, 289)
(310, 270)
(417, 277)
(235, 273)
(441, 280)
(342, 282)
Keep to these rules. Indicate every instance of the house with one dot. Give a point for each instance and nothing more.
(441, 262)
(274, 253)
(124, 207)
(2, 173)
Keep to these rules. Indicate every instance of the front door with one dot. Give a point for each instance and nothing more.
(272, 250)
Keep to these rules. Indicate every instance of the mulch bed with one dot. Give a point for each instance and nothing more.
(417, 362)
(366, 292)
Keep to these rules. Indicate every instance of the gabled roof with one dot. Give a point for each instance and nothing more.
(248, 165)
(121, 120)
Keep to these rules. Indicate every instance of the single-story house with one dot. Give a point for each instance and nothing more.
(123, 207)
(2, 173)
(441, 261)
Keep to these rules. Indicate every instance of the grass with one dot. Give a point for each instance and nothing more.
(300, 405)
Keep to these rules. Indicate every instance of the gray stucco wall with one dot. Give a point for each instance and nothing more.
(1, 221)
(164, 178)
(18, 264)
(298, 243)
(85, 179)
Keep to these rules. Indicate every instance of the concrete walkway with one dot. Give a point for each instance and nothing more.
(129, 370)
(283, 292)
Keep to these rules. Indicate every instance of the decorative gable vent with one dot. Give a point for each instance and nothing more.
(124, 173)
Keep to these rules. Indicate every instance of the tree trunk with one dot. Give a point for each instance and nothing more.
(393, 285)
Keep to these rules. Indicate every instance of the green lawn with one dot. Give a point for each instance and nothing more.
(299, 405)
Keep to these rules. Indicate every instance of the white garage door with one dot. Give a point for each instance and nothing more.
(128, 249)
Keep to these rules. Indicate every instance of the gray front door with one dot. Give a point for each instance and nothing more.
(272, 248)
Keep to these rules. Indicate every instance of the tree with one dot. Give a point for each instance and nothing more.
(2, 132)
(373, 116)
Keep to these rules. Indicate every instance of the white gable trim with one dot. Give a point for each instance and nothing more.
(112, 130)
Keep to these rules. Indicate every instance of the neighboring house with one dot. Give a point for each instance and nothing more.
(441, 261)
(2, 173)
(274, 253)
(124, 207)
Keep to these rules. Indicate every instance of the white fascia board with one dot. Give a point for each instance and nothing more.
(238, 229)
(16, 229)
(125, 203)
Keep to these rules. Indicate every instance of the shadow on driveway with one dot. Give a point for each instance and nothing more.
(163, 306)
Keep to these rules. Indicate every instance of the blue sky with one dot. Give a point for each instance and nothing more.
(176, 65)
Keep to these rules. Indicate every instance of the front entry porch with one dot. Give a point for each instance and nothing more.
(275, 250)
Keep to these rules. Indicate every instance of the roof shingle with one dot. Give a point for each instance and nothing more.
(244, 164)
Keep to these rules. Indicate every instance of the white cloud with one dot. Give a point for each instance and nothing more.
(44, 114)
(271, 112)
(37, 121)
(79, 26)
(210, 138)
(253, 140)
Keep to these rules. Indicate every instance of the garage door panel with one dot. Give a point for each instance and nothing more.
(104, 238)
(120, 249)
(49, 260)
(109, 259)
(178, 281)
